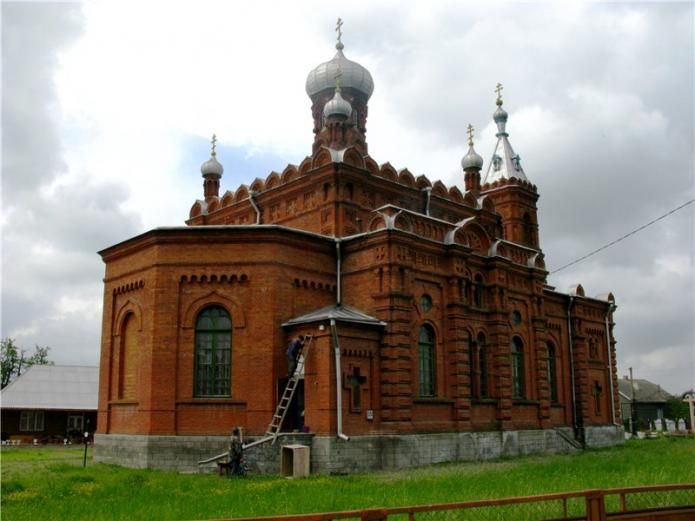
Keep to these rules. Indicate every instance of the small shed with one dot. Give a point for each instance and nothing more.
(49, 403)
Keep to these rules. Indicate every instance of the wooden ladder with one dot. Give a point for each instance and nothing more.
(287, 395)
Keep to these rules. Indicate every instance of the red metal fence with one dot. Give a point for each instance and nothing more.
(650, 503)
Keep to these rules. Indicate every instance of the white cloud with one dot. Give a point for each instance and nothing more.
(599, 97)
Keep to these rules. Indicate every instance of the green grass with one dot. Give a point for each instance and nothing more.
(51, 484)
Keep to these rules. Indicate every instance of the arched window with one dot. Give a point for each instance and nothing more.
(552, 373)
(426, 343)
(482, 367)
(129, 356)
(478, 292)
(517, 368)
(213, 349)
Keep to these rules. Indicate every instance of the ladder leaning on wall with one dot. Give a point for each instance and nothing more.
(283, 405)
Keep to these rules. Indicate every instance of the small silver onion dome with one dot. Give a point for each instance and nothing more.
(500, 115)
(353, 75)
(337, 106)
(212, 167)
(472, 160)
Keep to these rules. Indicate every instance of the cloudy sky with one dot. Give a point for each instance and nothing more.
(108, 107)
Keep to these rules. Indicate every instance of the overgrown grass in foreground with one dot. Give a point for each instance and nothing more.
(67, 491)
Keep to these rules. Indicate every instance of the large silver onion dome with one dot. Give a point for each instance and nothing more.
(353, 75)
(212, 167)
(337, 106)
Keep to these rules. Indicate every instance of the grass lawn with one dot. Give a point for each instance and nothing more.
(51, 484)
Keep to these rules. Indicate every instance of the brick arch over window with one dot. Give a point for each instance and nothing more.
(130, 306)
(213, 298)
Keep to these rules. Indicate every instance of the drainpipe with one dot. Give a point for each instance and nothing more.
(428, 196)
(574, 393)
(336, 346)
(338, 387)
(338, 275)
(611, 308)
(252, 200)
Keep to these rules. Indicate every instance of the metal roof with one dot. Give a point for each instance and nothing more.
(63, 387)
(338, 313)
(645, 391)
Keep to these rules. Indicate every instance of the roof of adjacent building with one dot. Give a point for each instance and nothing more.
(645, 391)
(61, 387)
(338, 313)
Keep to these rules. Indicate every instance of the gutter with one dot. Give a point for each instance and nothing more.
(571, 346)
(611, 307)
(252, 200)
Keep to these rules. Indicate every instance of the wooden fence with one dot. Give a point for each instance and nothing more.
(649, 503)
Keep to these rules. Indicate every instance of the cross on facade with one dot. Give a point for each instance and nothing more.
(596, 392)
(355, 382)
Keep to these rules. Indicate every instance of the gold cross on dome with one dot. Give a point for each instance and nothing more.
(338, 27)
(469, 131)
(214, 144)
(498, 90)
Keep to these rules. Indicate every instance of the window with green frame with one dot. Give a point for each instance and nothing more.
(426, 345)
(552, 372)
(517, 368)
(213, 350)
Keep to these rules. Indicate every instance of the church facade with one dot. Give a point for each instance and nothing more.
(435, 335)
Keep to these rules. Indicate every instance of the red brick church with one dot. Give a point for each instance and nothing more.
(435, 335)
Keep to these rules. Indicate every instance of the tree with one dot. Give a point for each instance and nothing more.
(676, 408)
(13, 360)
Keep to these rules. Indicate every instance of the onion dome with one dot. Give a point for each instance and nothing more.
(471, 159)
(354, 76)
(212, 166)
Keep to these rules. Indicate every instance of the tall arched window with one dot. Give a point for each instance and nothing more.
(478, 292)
(517, 368)
(552, 373)
(129, 357)
(473, 364)
(482, 367)
(426, 344)
(213, 349)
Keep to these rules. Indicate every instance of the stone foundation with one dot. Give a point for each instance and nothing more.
(330, 455)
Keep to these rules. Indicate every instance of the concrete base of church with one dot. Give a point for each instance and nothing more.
(361, 454)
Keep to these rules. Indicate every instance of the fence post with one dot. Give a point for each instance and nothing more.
(595, 506)
(373, 515)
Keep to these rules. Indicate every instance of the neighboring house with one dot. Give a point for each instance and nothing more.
(50, 403)
(649, 400)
